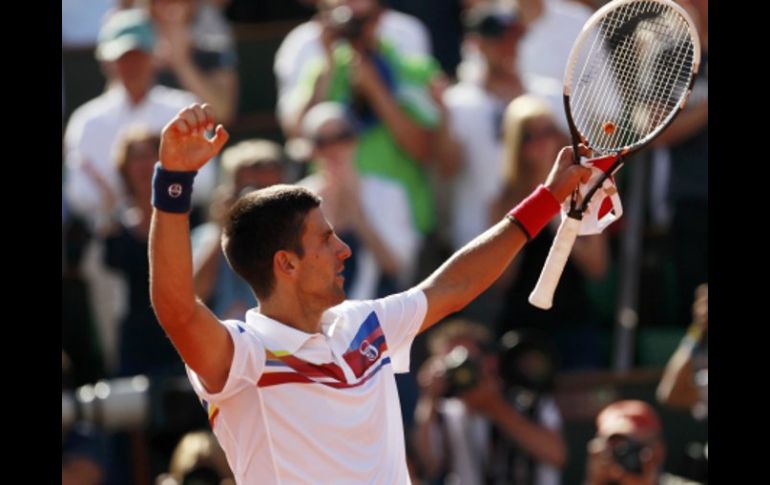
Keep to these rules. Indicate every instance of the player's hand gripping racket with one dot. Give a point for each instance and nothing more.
(629, 74)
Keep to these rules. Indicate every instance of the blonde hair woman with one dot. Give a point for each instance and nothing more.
(531, 140)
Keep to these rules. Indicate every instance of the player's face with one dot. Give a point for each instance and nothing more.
(320, 272)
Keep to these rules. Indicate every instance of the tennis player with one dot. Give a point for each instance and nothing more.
(303, 390)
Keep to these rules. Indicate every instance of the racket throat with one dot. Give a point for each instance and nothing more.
(575, 213)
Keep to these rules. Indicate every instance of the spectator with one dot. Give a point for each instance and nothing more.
(314, 40)
(126, 42)
(628, 448)
(388, 95)
(685, 380)
(531, 140)
(195, 59)
(484, 420)
(198, 460)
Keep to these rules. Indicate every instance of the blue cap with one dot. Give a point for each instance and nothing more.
(124, 31)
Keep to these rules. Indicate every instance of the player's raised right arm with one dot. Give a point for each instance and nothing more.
(202, 341)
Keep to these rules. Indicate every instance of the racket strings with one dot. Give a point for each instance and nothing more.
(624, 63)
(634, 73)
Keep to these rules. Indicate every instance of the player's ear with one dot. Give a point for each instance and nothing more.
(285, 263)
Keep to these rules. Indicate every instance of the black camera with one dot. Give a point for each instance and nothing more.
(627, 452)
(528, 360)
(344, 24)
(461, 371)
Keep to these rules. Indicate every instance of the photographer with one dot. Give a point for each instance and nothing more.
(628, 448)
(485, 415)
(388, 95)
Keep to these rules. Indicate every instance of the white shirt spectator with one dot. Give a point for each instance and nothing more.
(474, 121)
(545, 48)
(469, 436)
(94, 130)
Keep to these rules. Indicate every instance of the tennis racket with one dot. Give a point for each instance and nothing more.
(629, 74)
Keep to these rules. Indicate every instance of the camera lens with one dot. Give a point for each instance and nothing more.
(462, 371)
(627, 453)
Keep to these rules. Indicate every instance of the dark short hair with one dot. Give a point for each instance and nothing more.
(262, 223)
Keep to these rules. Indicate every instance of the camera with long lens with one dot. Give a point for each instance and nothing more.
(462, 371)
(627, 452)
(164, 404)
(345, 24)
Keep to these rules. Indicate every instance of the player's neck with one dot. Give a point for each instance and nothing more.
(286, 309)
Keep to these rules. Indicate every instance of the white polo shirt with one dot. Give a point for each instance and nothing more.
(317, 408)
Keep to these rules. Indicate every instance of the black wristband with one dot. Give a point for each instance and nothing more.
(172, 191)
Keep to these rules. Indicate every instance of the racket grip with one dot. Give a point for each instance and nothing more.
(542, 295)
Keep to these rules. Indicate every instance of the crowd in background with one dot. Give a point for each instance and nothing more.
(420, 124)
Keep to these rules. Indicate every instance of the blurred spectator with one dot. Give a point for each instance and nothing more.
(144, 347)
(442, 19)
(475, 110)
(552, 27)
(369, 213)
(532, 140)
(249, 165)
(680, 179)
(196, 54)
(125, 45)
(484, 418)
(314, 40)
(685, 380)
(628, 448)
(388, 94)
(212, 26)
(198, 460)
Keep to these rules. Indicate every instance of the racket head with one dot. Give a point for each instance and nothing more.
(629, 74)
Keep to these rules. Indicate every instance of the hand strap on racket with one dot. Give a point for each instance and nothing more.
(605, 207)
(533, 213)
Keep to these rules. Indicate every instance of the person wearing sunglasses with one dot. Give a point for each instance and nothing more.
(370, 213)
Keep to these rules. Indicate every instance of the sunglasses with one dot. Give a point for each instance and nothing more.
(339, 137)
(530, 136)
(498, 26)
